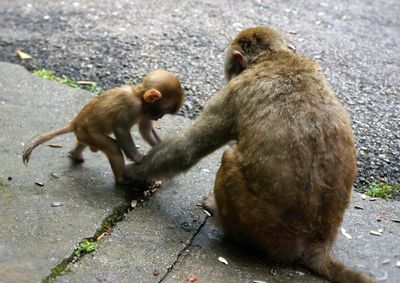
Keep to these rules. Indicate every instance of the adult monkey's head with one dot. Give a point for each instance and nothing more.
(248, 44)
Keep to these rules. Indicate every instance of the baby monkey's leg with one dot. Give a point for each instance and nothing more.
(113, 152)
(76, 152)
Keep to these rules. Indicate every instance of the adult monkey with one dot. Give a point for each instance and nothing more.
(286, 183)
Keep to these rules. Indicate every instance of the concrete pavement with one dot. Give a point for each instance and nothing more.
(165, 238)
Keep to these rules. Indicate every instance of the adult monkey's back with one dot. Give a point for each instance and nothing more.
(286, 183)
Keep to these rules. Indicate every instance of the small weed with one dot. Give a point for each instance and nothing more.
(85, 247)
(49, 75)
(67, 81)
(382, 190)
(94, 88)
(90, 244)
(90, 86)
(56, 271)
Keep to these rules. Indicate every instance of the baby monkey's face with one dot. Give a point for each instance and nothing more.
(156, 110)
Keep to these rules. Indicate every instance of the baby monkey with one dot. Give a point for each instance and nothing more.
(116, 111)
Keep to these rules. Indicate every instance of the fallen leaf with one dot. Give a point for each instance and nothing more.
(23, 56)
(157, 184)
(85, 83)
(192, 278)
(224, 261)
(344, 233)
(55, 145)
(101, 236)
(223, 33)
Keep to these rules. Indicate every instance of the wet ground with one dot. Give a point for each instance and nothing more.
(49, 207)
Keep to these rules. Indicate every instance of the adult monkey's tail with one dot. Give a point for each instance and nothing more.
(322, 262)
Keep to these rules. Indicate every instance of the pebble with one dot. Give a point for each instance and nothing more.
(55, 175)
(57, 203)
(223, 260)
(375, 233)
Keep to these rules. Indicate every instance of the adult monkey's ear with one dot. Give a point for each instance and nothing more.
(152, 95)
(239, 58)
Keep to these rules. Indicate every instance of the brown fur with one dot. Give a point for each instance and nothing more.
(285, 185)
(116, 111)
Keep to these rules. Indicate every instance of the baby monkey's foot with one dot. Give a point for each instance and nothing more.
(77, 158)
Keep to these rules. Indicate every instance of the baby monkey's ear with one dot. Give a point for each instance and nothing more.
(152, 95)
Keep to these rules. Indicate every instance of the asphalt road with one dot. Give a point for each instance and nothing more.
(112, 42)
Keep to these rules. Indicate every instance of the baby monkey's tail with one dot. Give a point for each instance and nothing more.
(42, 138)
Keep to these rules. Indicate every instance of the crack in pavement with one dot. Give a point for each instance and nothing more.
(117, 215)
(181, 252)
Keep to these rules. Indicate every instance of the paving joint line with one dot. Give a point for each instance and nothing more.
(182, 251)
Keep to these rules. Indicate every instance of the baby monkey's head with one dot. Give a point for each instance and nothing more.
(163, 94)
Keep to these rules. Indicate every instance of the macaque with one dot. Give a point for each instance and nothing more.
(116, 111)
(286, 182)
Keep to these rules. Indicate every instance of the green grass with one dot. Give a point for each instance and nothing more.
(49, 75)
(94, 88)
(85, 247)
(382, 190)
